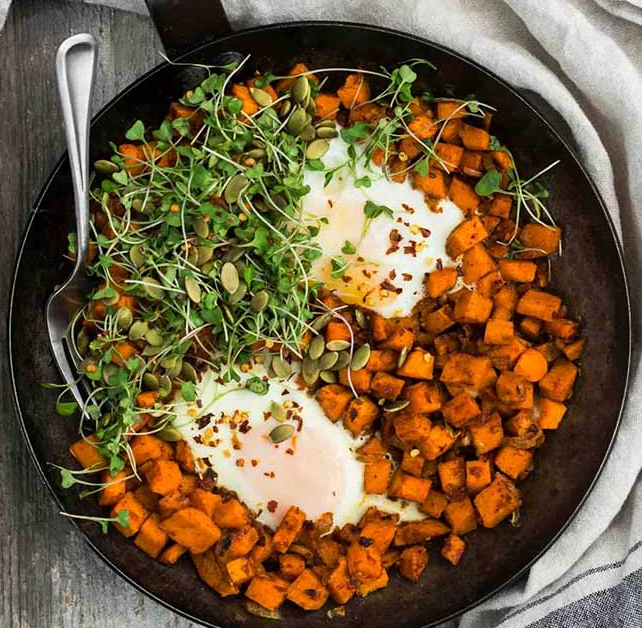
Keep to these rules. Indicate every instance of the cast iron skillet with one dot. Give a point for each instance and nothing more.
(590, 277)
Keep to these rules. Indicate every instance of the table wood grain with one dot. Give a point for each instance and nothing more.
(49, 578)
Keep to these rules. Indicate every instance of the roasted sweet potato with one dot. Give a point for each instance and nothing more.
(557, 384)
(542, 240)
(497, 501)
(412, 562)
(340, 583)
(364, 561)
(367, 587)
(291, 566)
(231, 514)
(413, 532)
(213, 574)
(478, 475)
(205, 501)
(288, 529)
(465, 236)
(453, 549)
(439, 441)
(85, 451)
(406, 486)
(551, 413)
(267, 590)
(192, 529)
(360, 415)
(413, 462)
(137, 514)
(517, 270)
(437, 321)
(441, 281)
(452, 476)
(326, 106)
(361, 380)
(539, 304)
(172, 554)
(355, 91)
(114, 489)
(463, 195)
(146, 447)
(498, 332)
(476, 263)
(423, 397)
(470, 371)
(435, 503)
(514, 390)
(375, 476)
(433, 184)
(460, 516)
(417, 365)
(399, 339)
(472, 307)
(461, 409)
(448, 156)
(386, 386)
(151, 538)
(487, 435)
(474, 138)
(531, 365)
(382, 360)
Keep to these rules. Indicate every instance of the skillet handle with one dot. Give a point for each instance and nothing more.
(187, 24)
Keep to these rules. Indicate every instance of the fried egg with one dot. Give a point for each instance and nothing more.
(393, 252)
(316, 468)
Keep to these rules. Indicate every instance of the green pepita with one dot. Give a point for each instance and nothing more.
(329, 377)
(300, 90)
(310, 370)
(337, 345)
(205, 254)
(169, 434)
(152, 288)
(362, 319)
(319, 323)
(360, 357)
(150, 381)
(192, 256)
(227, 313)
(153, 338)
(193, 289)
(201, 228)
(342, 361)
(328, 360)
(230, 277)
(103, 166)
(124, 318)
(256, 153)
(261, 97)
(297, 121)
(307, 133)
(241, 291)
(165, 388)
(234, 254)
(277, 411)
(317, 149)
(403, 354)
(316, 348)
(326, 133)
(136, 255)
(395, 406)
(280, 367)
(188, 372)
(329, 124)
(281, 433)
(285, 108)
(138, 330)
(235, 187)
(259, 301)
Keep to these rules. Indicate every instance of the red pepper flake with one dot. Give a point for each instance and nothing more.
(240, 463)
(233, 425)
(410, 210)
(203, 421)
(245, 427)
(285, 392)
(387, 285)
(267, 415)
(360, 259)
(272, 505)
(299, 420)
(411, 249)
(269, 474)
(254, 462)
(425, 232)
(406, 276)
(198, 439)
(439, 265)
(346, 279)
(330, 203)
(289, 451)
(366, 273)
(392, 274)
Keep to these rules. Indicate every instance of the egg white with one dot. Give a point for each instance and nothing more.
(423, 232)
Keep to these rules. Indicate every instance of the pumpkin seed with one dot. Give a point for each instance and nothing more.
(278, 412)
(256, 153)
(138, 330)
(152, 350)
(362, 319)
(230, 277)
(258, 143)
(136, 255)
(193, 289)
(103, 166)
(337, 345)
(316, 348)
(280, 367)
(240, 267)
(165, 388)
(153, 338)
(310, 106)
(82, 341)
(241, 291)
(234, 254)
(395, 406)
(168, 363)
(205, 254)
(329, 377)
(235, 187)
(403, 354)
(326, 124)
(153, 289)
(201, 228)
(150, 381)
(259, 301)
(169, 434)
(319, 323)
(175, 370)
(112, 300)
(124, 318)
(227, 313)
(326, 133)
(342, 361)
(285, 108)
(192, 256)
(310, 370)
(328, 360)
(297, 121)
(188, 372)
(360, 357)
(281, 433)
(307, 133)
(300, 90)
(261, 97)
(317, 149)
(209, 268)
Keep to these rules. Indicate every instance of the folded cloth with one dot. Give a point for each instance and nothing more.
(585, 58)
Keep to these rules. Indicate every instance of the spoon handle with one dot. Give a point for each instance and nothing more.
(75, 69)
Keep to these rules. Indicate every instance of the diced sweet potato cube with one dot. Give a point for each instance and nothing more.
(288, 529)
(213, 574)
(85, 451)
(262, 548)
(361, 380)
(205, 501)
(380, 327)
(453, 549)
(240, 570)
(380, 532)
(452, 475)
(498, 332)
(354, 91)
(489, 285)
(147, 399)
(413, 532)
(557, 384)
(472, 163)
(435, 503)
(399, 339)
(163, 476)
(463, 369)
(386, 386)
(334, 400)
(501, 206)
(463, 195)
(562, 328)
(188, 484)
(267, 590)
(373, 449)
(231, 514)
(329, 551)
(474, 138)
(406, 486)
(171, 503)
(437, 321)
(114, 489)
(539, 304)
(146, 447)
(291, 566)
(367, 587)
(146, 497)
(497, 501)
(476, 263)
(382, 360)
(340, 583)
(438, 442)
(236, 542)
(517, 270)
(551, 413)
(450, 131)
(184, 457)
(413, 462)
(460, 516)
(412, 562)
(417, 365)
(505, 301)
(451, 109)
(172, 554)
(360, 415)
(375, 476)
(151, 538)
(433, 185)
(515, 463)
(465, 236)
(243, 94)
(478, 475)
(514, 390)
(411, 426)
(193, 529)
(448, 156)
(423, 127)
(423, 397)
(504, 357)
(410, 147)
(488, 435)
(364, 561)
(532, 365)
(461, 409)
(542, 239)
(137, 514)
(440, 281)
(326, 106)
(337, 330)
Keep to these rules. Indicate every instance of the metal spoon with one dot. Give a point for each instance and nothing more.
(75, 69)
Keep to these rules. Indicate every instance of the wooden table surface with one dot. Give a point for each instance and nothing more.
(49, 578)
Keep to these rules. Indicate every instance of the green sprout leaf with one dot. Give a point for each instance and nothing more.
(489, 183)
(257, 386)
(188, 391)
(348, 248)
(136, 132)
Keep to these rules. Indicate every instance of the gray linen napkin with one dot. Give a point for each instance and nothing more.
(585, 58)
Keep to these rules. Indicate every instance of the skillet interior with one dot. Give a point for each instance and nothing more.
(590, 277)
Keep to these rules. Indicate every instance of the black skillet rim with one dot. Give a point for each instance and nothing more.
(423, 41)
